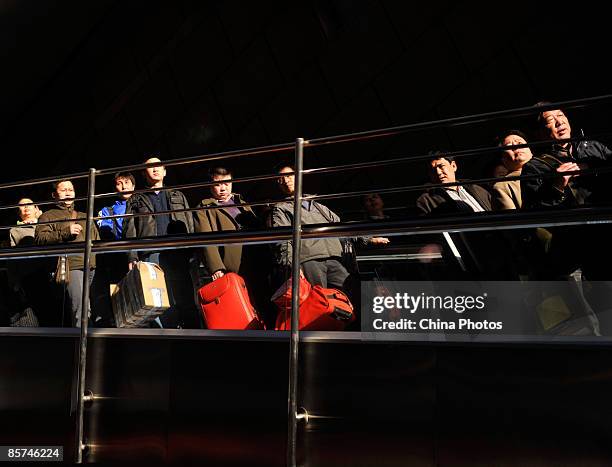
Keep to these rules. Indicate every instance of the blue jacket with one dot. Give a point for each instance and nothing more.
(112, 228)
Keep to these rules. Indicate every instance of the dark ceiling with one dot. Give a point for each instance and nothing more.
(102, 83)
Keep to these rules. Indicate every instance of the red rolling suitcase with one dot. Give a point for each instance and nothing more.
(323, 310)
(225, 304)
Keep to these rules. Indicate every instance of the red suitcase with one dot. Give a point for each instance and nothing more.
(225, 304)
(323, 310)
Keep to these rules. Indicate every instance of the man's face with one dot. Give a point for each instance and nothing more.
(222, 191)
(373, 203)
(156, 173)
(287, 182)
(63, 191)
(27, 213)
(443, 171)
(124, 184)
(514, 159)
(556, 124)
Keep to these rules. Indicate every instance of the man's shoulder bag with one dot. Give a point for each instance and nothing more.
(61, 276)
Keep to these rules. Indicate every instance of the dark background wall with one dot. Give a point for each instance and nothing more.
(103, 83)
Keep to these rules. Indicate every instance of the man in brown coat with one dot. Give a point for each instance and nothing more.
(65, 232)
(230, 215)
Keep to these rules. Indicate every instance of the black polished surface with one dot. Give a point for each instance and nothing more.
(37, 402)
(187, 401)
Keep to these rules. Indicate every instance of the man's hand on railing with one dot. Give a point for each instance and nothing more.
(562, 182)
(379, 241)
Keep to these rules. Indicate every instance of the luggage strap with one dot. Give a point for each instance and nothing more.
(340, 314)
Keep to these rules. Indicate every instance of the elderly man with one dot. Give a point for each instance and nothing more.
(570, 247)
(581, 248)
(25, 276)
(565, 156)
(64, 232)
(175, 263)
(28, 213)
(507, 193)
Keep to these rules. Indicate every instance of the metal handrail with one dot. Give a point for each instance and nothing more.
(59, 221)
(478, 181)
(456, 121)
(39, 203)
(502, 220)
(295, 307)
(38, 181)
(84, 318)
(188, 186)
(286, 147)
(338, 168)
(464, 153)
(202, 158)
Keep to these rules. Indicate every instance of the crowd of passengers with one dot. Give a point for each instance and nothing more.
(561, 176)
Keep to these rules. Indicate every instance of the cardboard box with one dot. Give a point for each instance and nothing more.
(140, 297)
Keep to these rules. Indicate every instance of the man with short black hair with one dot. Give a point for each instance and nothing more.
(230, 216)
(113, 228)
(111, 267)
(480, 254)
(442, 169)
(175, 263)
(66, 232)
(320, 258)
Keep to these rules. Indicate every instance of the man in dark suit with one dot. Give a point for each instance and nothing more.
(451, 199)
(479, 254)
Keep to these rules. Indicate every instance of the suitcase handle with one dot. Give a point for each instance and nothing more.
(336, 297)
(341, 315)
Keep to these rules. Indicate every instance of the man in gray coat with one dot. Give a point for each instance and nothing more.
(320, 258)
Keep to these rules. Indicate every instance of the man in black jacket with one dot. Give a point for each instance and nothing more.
(480, 254)
(175, 263)
(570, 247)
(563, 157)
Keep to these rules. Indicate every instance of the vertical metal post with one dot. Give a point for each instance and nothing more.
(84, 315)
(295, 305)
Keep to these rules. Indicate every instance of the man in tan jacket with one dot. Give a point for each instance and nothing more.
(228, 215)
(66, 232)
(507, 194)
